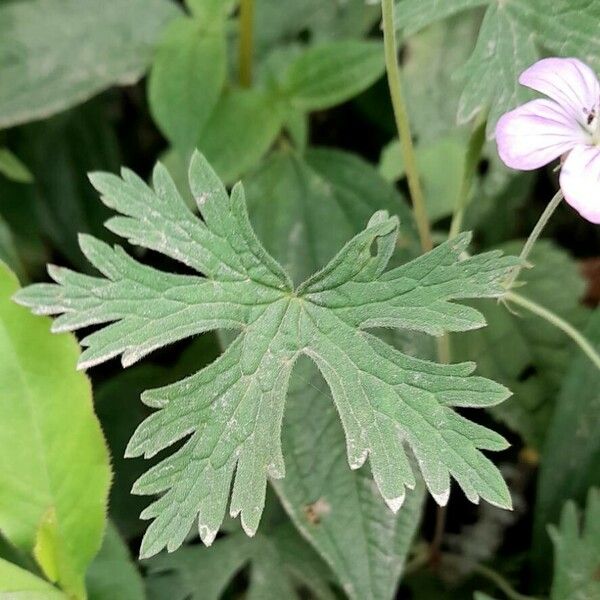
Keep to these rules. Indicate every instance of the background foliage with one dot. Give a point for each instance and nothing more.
(307, 125)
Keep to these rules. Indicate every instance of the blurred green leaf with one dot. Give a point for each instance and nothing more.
(54, 481)
(17, 583)
(441, 166)
(57, 53)
(280, 563)
(331, 73)
(526, 354)
(186, 79)
(8, 250)
(577, 552)
(60, 152)
(429, 61)
(112, 574)
(240, 131)
(570, 462)
(509, 40)
(278, 22)
(13, 168)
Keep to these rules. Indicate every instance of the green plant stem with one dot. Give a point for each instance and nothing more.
(558, 322)
(403, 125)
(501, 583)
(246, 41)
(534, 235)
(476, 142)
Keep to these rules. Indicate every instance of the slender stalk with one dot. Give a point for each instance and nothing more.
(558, 322)
(502, 583)
(246, 41)
(403, 124)
(534, 235)
(476, 143)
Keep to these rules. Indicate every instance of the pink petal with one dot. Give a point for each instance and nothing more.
(567, 81)
(535, 134)
(580, 181)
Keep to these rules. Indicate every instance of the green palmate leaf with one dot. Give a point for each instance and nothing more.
(293, 202)
(570, 462)
(577, 552)
(279, 561)
(13, 168)
(17, 583)
(303, 208)
(54, 481)
(331, 73)
(120, 412)
(231, 411)
(46, 66)
(113, 575)
(340, 511)
(186, 78)
(510, 37)
(539, 352)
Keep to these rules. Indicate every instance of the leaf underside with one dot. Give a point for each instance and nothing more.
(230, 412)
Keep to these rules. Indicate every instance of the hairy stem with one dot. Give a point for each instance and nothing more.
(557, 321)
(403, 125)
(534, 235)
(476, 142)
(246, 41)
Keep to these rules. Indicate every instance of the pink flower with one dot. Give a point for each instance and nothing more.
(568, 124)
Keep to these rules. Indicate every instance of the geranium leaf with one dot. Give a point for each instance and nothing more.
(230, 412)
(577, 552)
(511, 37)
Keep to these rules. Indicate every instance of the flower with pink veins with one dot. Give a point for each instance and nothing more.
(566, 125)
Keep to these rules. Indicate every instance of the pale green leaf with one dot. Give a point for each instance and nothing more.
(505, 48)
(240, 131)
(113, 575)
(577, 552)
(231, 412)
(18, 584)
(185, 83)
(441, 166)
(429, 62)
(54, 481)
(57, 53)
(331, 73)
(413, 15)
(210, 12)
(304, 209)
(13, 168)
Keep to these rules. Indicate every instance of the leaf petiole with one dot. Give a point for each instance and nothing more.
(557, 321)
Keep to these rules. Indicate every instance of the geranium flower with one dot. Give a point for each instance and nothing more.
(567, 125)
